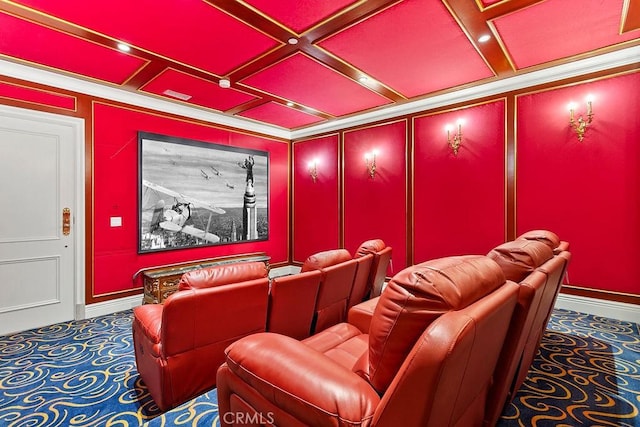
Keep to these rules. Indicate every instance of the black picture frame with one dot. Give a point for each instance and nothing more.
(194, 193)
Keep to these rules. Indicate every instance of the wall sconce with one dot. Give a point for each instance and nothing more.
(580, 125)
(370, 160)
(454, 143)
(313, 169)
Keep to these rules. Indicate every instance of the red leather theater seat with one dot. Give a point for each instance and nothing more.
(180, 344)
(338, 272)
(428, 360)
(292, 302)
(378, 272)
(538, 267)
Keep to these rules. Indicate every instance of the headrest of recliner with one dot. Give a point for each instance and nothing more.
(325, 259)
(414, 298)
(549, 238)
(519, 258)
(370, 247)
(223, 274)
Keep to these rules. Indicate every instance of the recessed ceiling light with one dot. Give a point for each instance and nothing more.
(484, 38)
(174, 94)
(224, 83)
(123, 47)
(363, 79)
(290, 104)
(292, 40)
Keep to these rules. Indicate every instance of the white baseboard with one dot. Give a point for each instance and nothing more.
(112, 306)
(126, 303)
(599, 307)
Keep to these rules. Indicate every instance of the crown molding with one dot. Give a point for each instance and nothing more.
(577, 68)
(573, 69)
(75, 84)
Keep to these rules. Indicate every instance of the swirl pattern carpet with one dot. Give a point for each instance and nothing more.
(82, 373)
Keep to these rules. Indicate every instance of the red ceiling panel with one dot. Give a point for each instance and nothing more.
(556, 29)
(409, 48)
(36, 96)
(43, 46)
(417, 60)
(203, 92)
(310, 83)
(280, 115)
(298, 15)
(189, 31)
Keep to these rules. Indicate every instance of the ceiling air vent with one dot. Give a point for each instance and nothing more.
(178, 95)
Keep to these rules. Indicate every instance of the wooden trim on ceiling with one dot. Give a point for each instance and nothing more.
(630, 16)
(473, 17)
(474, 23)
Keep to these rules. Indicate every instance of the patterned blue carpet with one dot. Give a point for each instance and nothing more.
(82, 373)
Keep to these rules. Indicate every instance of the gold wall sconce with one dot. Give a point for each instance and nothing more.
(313, 169)
(370, 160)
(455, 141)
(580, 124)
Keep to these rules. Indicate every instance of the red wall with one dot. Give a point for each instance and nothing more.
(520, 168)
(115, 166)
(315, 204)
(376, 207)
(423, 201)
(459, 201)
(588, 192)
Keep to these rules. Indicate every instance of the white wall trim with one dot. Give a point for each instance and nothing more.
(112, 306)
(126, 303)
(577, 68)
(599, 307)
(49, 78)
(572, 69)
(611, 309)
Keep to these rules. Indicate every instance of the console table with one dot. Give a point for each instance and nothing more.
(161, 281)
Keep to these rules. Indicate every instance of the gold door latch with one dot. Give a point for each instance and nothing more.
(66, 221)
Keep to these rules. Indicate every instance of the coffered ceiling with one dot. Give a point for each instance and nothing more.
(295, 64)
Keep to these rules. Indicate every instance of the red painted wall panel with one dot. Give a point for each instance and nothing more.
(316, 211)
(115, 194)
(588, 192)
(376, 207)
(459, 201)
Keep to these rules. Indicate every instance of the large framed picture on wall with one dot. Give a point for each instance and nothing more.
(194, 193)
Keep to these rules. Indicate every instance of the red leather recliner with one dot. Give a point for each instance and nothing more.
(519, 260)
(292, 302)
(180, 344)
(381, 262)
(428, 359)
(338, 272)
(547, 237)
(538, 264)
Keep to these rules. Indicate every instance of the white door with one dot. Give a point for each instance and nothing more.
(38, 180)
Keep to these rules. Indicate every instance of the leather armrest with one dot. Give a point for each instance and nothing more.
(303, 382)
(360, 315)
(148, 319)
(563, 246)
